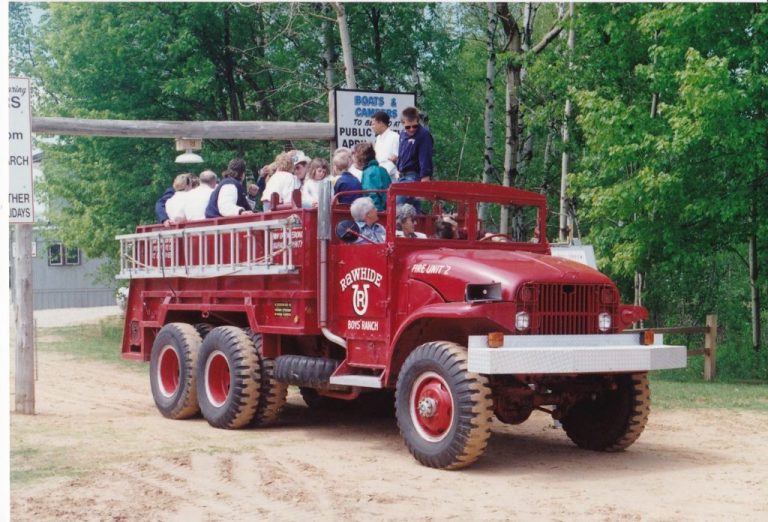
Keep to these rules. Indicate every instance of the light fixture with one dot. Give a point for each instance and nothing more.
(188, 145)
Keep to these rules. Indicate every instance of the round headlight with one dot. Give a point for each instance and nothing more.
(604, 321)
(522, 320)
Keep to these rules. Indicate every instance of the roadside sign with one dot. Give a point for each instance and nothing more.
(355, 108)
(583, 254)
(20, 188)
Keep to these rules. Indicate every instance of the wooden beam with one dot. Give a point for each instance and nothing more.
(240, 130)
(674, 330)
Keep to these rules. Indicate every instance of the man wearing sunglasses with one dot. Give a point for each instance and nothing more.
(414, 159)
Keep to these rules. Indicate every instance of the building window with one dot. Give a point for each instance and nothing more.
(59, 255)
(71, 256)
(55, 257)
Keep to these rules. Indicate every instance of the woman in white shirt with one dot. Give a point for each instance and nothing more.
(175, 205)
(283, 181)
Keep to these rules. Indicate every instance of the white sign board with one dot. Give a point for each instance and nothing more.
(583, 254)
(20, 190)
(355, 108)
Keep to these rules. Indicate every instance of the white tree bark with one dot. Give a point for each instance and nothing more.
(565, 166)
(490, 75)
(346, 45)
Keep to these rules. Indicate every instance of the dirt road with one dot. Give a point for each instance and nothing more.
(98, 450)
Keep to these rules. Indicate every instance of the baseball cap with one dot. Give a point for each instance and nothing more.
(300, 157)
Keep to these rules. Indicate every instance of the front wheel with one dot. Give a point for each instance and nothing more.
(443, 410)
(610, 420)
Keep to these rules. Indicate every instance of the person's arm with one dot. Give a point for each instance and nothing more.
(228, 201)
(394, 146)
(425, 157)
(162, 215)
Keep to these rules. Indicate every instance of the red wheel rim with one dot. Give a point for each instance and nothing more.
(217, 378)
(168, 371)
(431, 406)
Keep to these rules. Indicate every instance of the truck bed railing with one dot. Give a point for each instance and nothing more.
(234, 249)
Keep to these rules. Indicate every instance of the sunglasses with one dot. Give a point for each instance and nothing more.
(409, 127)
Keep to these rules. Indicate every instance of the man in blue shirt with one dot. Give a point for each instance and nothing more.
(414, 159)
(365, 215)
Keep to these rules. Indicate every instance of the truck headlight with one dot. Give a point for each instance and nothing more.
(604, 321)
(522, 320)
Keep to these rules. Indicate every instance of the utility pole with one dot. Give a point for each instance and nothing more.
(25, 350)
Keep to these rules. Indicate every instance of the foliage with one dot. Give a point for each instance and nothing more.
(674, 193)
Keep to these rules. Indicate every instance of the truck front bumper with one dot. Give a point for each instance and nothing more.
(539, 354)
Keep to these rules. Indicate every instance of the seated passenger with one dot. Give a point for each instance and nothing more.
(228, 198)
(198, 197)
(406, 213)
(345, 182)
(174, 207)
(365, 215)
(283, 181)
(445, 228)
(310, 189)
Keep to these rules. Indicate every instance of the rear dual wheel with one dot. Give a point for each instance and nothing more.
(443, 410)
(228, 377)
(272, 393)
(172, 370)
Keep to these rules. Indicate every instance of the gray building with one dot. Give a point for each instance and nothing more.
(62, 276)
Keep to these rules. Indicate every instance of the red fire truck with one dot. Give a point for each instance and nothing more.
(229, 312)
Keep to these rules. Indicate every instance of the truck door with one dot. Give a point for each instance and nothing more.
(359, 300)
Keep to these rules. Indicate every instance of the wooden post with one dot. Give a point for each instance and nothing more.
(25, 355)
(710, 348)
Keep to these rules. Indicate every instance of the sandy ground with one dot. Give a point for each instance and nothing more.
(99, 450)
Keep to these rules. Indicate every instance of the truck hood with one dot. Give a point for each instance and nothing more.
(450, 270)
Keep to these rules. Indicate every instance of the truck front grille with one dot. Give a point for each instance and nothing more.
(559, 309)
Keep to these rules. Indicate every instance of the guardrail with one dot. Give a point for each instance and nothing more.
(709, 351)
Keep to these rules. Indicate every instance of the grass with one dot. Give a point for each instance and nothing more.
(99, 342)
(667, 394)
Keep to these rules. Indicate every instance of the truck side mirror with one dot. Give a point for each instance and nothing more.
(347, 231)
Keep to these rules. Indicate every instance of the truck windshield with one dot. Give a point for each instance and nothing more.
(452, 218)
(522, 222)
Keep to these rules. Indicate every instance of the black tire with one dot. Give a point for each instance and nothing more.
(172, 370)
(203, 329)
(443, 410)
(228, 377)
(273, 393)
(613, 419)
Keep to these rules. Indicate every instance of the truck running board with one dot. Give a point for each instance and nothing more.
(361, 381)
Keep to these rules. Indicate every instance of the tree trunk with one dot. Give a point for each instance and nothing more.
(565, 165)
(229, 68)
(512, 104)
(346, 45)
(490, 75)
(329, 61)
(375, 17)
(525, 151)
(753, 275)
(512, 136)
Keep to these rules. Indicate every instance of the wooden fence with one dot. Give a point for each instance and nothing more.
(709, 351)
